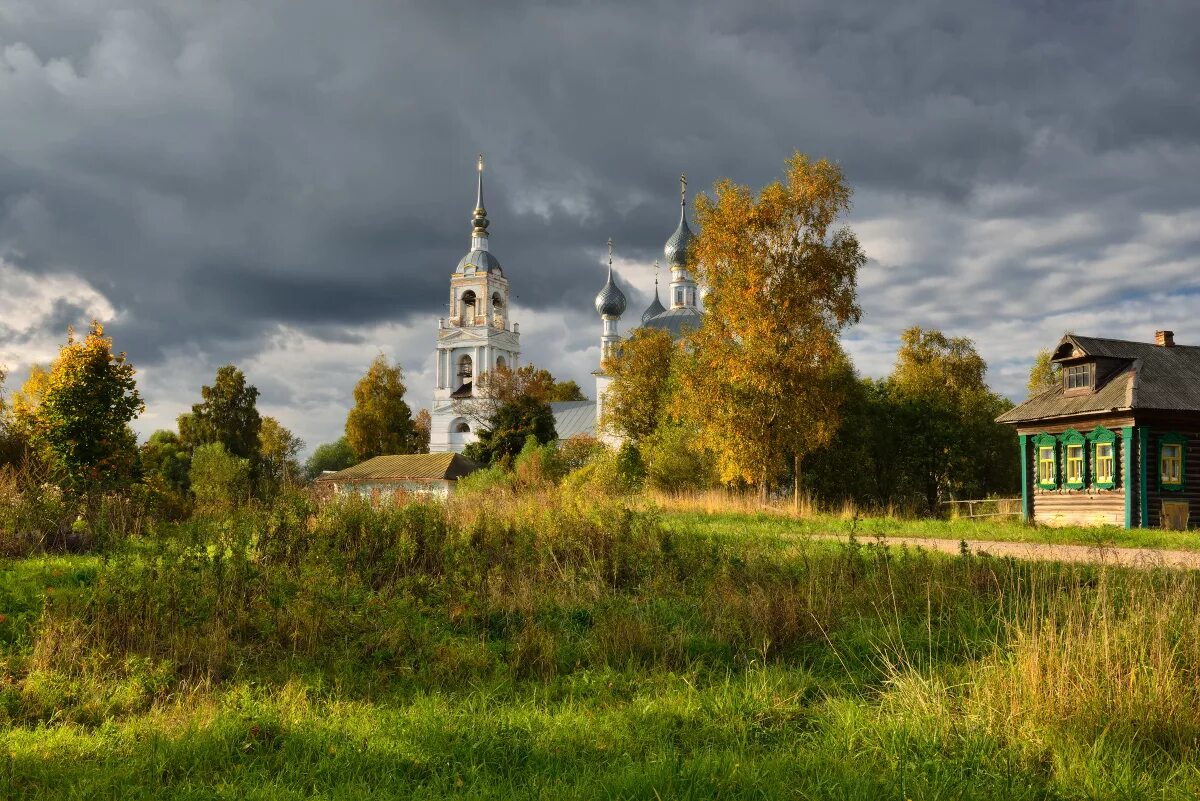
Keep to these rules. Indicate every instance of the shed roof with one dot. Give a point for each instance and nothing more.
(574, 418)
(1154, 377)
(407, 467)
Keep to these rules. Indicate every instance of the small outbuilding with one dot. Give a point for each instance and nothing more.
(410, 473)
(1117, 441)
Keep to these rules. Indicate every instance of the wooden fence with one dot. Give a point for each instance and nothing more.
(984, 508)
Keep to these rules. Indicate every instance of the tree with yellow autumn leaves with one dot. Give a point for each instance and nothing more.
(77, 413)
(759, 379)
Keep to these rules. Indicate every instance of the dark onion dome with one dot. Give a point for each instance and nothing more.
(610, 302)
(656, 308)
(677, 321)
(675, 250)
(482, 261)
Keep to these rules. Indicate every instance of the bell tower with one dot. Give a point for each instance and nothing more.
(477, 337)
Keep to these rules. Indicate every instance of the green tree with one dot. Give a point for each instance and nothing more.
(380, 422)
(227, 413)
(279, 452)
(760, 381)
(87, 402)
(947, 412)
(636, 401)
(1044, 374)
(422, 425)
(331, 456)
(508, 429)
(219, 480)
(165, 457)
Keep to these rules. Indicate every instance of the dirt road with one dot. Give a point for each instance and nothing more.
(1131, 557)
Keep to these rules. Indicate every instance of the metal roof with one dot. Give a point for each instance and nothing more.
(1155, 377)
(407, 467)
(574, 418)
(481, 260)
(674, 321)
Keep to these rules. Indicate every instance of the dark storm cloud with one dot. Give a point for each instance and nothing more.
(218, 170)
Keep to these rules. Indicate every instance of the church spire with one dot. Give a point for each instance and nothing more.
(479, 223)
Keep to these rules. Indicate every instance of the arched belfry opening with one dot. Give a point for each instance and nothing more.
(467, 307)
(464, 368)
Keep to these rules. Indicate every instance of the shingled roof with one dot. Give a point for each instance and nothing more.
(1154, 377)
(407, 467)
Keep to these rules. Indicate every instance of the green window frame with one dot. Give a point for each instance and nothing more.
(1104, 458)
(1046, 451)
(1075, 467)
(1172, 460)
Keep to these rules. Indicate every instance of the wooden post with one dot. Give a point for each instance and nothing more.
(796, 485)
(1026, 496)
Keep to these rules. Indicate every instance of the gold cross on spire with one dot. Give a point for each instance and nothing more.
(480, 165)
(610, 251)
(656, 272)
(683, 189)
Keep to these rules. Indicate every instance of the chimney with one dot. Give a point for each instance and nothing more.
(1164, 339)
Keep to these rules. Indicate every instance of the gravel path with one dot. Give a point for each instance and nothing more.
(1131, 557)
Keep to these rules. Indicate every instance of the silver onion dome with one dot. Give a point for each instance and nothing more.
(610, 301)
(675, 251)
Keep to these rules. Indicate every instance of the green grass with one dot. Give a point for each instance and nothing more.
(782, 529)
(557, 649)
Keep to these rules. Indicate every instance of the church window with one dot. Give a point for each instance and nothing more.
(497, 301)
(464, 367)
(462, 428)
(500, 363)
(679, 296)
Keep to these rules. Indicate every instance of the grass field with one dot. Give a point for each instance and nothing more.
(551, 648)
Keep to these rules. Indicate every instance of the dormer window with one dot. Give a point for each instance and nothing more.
(1079, 376)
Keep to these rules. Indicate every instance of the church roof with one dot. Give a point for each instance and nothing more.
(574, 418)
(481, 260)
(407, 467)
(675, 321)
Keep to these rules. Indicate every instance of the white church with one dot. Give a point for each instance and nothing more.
(479, 336)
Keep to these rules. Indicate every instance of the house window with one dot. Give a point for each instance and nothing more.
(1046, 446)
(1078, 376)
(1104, 458)
(1074, 462)
(1104, 463)
(1170, 462)
(1074, 465)
(1046, 471)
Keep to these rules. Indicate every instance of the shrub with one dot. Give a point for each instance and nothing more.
(630, 469)
(673, 461)
(538, 465)
(218, 480)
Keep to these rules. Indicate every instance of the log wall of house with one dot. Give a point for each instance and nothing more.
(1088, 506)
(1155, 495)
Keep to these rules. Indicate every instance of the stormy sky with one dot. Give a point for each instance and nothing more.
(288, 185)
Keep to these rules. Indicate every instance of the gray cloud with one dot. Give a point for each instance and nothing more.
(288, 184)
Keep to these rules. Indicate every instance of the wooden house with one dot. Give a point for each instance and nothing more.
(1118, 439)
(385, 477)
